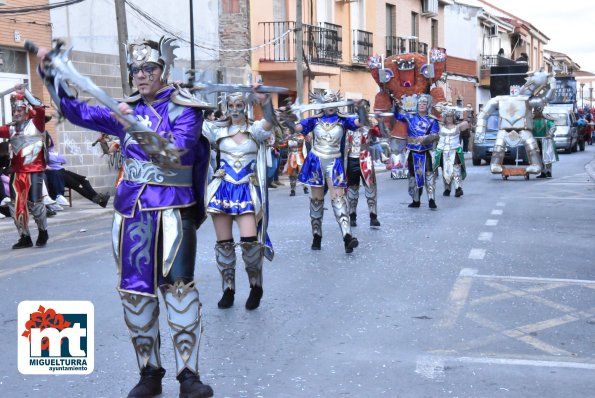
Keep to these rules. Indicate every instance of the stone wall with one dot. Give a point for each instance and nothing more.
(74, 142)
(234, 33)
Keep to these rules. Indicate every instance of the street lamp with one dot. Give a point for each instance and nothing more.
(591, 97)
(582, 102)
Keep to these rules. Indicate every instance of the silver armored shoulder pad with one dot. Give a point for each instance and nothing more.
(133, 99)
(184, 97)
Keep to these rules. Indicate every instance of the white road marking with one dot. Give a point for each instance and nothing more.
(431, 367)
(497, 212)
(425, 362)
(535, 279)
(457, 298)
(477, 254)
(491, 222)
(487, 236)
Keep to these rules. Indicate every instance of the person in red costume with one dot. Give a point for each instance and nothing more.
(26, 134)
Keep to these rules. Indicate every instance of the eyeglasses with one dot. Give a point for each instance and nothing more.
(147, 69)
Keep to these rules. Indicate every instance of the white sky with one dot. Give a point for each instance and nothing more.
(568, 23)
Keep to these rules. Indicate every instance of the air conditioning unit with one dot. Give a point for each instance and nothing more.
(429, 8)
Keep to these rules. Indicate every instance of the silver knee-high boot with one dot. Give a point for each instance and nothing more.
(316, 214)
(340, 209)
(431, 188)
(184, 319)
(352, 199)
(414, 192)
(372, 197)
(253, 256)
(225, 255)
(141, 314)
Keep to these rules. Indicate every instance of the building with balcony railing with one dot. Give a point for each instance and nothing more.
(338, 39)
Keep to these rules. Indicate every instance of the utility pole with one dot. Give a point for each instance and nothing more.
(192, 60)
(299, 58)
(122, 40)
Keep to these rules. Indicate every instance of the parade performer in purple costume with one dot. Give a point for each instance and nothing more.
(422, 132)
(238, 192)
(158, 209)
(325, 164)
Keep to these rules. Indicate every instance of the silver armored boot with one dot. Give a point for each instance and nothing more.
(225, 255)
(316, 214)
(458, 180)
(340, 209)
(497, 158)
(352, 199)
(431, 188)
(184, 319)
(371, 197)
(38, 211)
(141, 314)
(534, 156)
(414, 192)
(253, 256)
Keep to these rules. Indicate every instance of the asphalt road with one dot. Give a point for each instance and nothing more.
(490, 295)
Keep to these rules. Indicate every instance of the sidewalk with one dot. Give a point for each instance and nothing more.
(81, 209)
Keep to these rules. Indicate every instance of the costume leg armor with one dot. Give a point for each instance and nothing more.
(498, 153)
(533, 154)
(414, 191)
(38, 211)
(352, 199)
(292, 182)
(184, 318)
(431, 188)
(141, 314)
(225, 255)
(456, 177)
(371, 197)
(340, 209)
(316, 214)
(253, 256)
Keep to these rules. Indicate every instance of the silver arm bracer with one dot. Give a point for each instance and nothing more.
(32, 100)
(482, 119)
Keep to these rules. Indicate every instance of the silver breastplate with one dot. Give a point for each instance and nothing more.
(327, 140)
(449, 138)
(237, 156)
(515, 113)
(27, 143)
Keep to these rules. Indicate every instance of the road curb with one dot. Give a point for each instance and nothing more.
(590, 169)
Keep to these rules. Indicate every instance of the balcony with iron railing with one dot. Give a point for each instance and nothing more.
(362, 46)
(321, 44)
(402, 45)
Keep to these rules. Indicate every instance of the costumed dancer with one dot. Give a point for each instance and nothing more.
(158, 208)
(449, 153)
(360, 168)
(543, 131)
(422, 132)
(295, 159)
(325, 165)
(26, 135)
(238, 192)
(515, 118)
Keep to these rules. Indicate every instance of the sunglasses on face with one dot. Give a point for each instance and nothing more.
(147, 69)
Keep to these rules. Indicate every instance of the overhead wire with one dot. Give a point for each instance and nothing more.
(31, 9)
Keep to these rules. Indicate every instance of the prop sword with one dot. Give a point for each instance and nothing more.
(59, 70)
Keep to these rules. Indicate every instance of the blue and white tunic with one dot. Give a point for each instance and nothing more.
(328, 148)
(234, 187)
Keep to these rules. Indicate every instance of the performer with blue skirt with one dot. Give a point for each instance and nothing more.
(325, 163)
(159, 205)
(238, 192)
(422, 132)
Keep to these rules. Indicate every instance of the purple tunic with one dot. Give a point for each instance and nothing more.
(140, 203)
